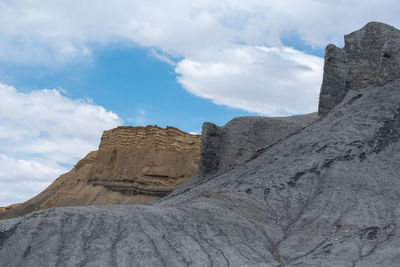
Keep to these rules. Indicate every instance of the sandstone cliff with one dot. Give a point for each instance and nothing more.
(326, 194)
(134, 165)
(145, 160)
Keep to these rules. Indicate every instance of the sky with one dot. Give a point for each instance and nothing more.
(71, 69)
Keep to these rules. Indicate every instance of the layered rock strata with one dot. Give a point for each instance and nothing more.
(134, 165)
(325, 195)
(145, 160)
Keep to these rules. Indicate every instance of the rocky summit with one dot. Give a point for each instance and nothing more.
(134, 165)
(299, 191)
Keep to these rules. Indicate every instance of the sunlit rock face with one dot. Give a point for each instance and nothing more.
(145, 160)
(327, 194)
(134, 165)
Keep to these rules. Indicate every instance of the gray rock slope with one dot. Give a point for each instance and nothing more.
(223, 148)
(323, 193)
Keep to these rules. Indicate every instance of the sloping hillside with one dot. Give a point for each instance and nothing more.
(324, 195)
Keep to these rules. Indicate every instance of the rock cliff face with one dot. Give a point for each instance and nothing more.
(134, 165)
(223, 148)
(326, 194)
(145, 160)
(370, 56)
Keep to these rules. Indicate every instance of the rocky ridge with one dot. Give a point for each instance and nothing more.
(134, 165)
(325, 195)
(223, 148)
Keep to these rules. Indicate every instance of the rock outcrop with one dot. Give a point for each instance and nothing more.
(370, 56)
(223, 148)
(134, 165)
(325, 195)
(145, 160)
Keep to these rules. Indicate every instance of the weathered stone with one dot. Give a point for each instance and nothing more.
(146, 160)
(225, 147)
(371, 56)
(325, 195)
(134, 165)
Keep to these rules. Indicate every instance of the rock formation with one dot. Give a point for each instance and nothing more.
(225, 147)
(134, 165)
(145, 160)
(326, 194)
(370, 56)
(12, 206)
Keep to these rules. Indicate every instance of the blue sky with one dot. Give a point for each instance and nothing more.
(128, 80)
(70, 70)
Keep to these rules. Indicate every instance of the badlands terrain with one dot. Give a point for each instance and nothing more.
(313, 190)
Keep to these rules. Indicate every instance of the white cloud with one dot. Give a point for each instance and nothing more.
(47, 122)
(20, 191)
(53, 32)
(42, 130)
(23, 179)
(229, 51)
(237, 77)
(13, 170)
(183, 26)
(163, 57)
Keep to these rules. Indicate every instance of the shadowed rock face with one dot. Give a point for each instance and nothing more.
(223, 148)
(325, 195)
(134, 165)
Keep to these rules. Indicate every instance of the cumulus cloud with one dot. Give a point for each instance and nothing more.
(47, 122)
(12, 169)
(21, 179)
(228, 51)
(184, 26)
(237, 77)
(42, 130)
(20, 191)
(42, 32)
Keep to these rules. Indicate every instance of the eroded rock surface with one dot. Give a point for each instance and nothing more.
(325, 195)
(371, 56)
(134, 165)
(223, 148)
(145, 160)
